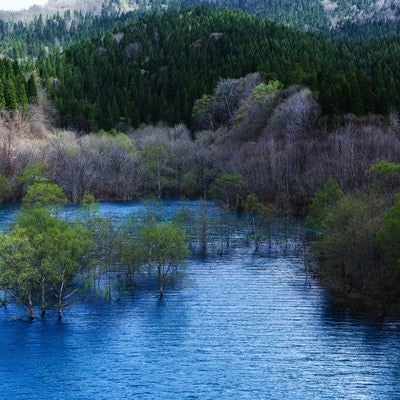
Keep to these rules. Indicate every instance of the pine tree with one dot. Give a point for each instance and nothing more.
(32, 89)
(2, 99)
(10, 95)
(20, 89)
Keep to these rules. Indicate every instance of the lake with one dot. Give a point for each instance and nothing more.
(234, 326)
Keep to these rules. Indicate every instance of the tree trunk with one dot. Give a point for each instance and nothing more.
(31, 314)
(43, 305)
(109, 283)
(161, 287)
(60, 301)
(3, 301)
(161, 278)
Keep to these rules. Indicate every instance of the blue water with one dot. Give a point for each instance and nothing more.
(237, 326)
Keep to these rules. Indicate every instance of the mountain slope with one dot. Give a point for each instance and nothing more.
(156, 68)
(313, 14)
(307, 14)
(339, 11)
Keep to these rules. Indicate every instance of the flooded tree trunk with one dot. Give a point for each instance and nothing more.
(203, 232)
(60, 301)
(31, 313)
(162, 287)
(43, 297)
(162, 273)
(3, 300)
(129, 274)
(109, 284)
(61, 296)
(269, 237)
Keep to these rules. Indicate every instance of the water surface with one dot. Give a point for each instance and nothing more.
(237, 326)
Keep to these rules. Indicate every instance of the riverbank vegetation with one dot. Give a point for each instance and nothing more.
(359, 239)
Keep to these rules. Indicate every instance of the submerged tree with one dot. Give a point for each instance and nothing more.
(259, 220)
(164, 247)
(42, 253)
(56, 249)
(18, 277)
(130, 252)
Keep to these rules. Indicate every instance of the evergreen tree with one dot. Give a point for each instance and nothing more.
(32, 89)
(10, 95)
(2, 98)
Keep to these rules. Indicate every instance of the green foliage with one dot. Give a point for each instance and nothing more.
(263, 89)
(10, 94)
(385, 169)
(121, 138)
(39, 255)
(163, 246)
(34, 173)
(259, 218)
(57, 244)
(203, 113)
(159, 175)
(229, 188)
(88, 208)
(44, 194)
(17, 273)
(13, 86)
(31, 89)
(347, 244)
(385, 176)
(388, 237)
(324, 200)
(130, 251)
(87, 200)
(253, 205)
(189, 184)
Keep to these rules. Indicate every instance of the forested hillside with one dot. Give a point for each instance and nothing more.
(52, 7)
(313, 13)
(156, 68)
(47, 34)
(16, 91)
(305, 14)
(44, 29)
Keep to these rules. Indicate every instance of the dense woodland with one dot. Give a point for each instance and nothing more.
(307, 15)
(312, 14)
(16, 90)
(46, 34)
(154, 69)
(359, 239)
